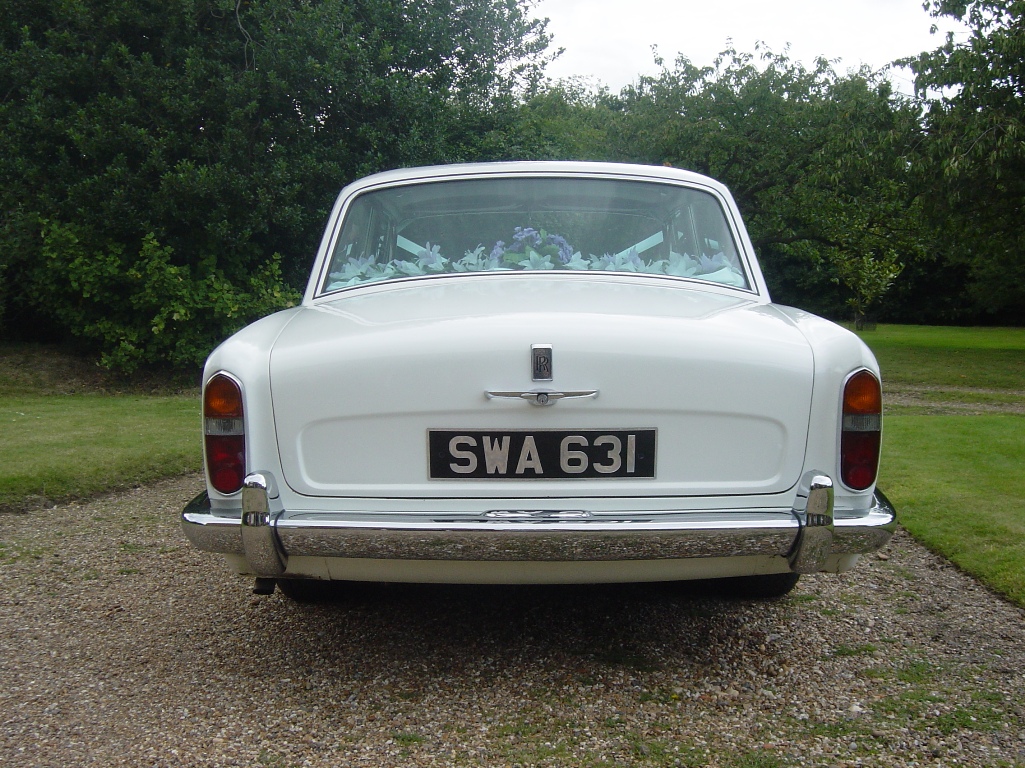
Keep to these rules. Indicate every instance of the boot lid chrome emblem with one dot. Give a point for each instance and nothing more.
(543, 396)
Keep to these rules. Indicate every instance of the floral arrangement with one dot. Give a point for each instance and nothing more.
(532, 249)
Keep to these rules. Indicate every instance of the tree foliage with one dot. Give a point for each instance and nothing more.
(818, 164)
(975, 96)
(166, 167)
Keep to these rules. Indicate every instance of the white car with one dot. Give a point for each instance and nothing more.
(539, 373)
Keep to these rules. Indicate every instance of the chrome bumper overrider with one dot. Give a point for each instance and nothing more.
(806, 535)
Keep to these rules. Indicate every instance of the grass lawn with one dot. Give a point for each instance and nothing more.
(62, 446)
(71, 431)
(926, 356)
(954, 444)
(957, 483)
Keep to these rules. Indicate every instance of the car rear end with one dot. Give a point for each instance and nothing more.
(539, 425)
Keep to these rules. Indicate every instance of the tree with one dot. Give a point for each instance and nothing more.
(166, 167)
(819, 165)
(975, 95)
(558, 121)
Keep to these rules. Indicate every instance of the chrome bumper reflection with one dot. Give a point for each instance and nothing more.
(806, 535)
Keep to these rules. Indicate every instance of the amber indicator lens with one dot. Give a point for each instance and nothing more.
(862, 395)
(222, 398)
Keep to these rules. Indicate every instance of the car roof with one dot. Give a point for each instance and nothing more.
(535, 168)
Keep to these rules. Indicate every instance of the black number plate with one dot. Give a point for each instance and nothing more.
(541, 454)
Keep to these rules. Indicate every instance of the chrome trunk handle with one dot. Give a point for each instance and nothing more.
(543, 396)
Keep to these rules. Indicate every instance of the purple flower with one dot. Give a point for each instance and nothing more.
(498, 251)
(565, 249)
(527, 236)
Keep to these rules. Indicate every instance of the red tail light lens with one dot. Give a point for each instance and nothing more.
(861, 431)
(224, 433)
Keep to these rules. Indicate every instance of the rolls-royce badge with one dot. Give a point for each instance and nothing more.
(541, 362)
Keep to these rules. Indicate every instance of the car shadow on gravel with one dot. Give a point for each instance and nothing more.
(454, 631)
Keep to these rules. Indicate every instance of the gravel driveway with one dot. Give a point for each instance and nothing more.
(121, 645)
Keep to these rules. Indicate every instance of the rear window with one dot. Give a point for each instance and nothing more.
(521, 224)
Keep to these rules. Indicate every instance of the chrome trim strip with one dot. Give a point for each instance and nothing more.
(542, 396)
(633, 537)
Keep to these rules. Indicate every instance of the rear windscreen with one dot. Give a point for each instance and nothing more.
(506, 224)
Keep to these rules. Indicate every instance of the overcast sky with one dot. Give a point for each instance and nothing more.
(609, 41)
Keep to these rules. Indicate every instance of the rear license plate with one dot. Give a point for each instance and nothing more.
(541, 454)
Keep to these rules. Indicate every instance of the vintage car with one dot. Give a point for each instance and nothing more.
(539, 373)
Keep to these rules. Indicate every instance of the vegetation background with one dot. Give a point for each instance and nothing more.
(166, 167)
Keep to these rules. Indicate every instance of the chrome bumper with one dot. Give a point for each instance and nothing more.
(806, 535)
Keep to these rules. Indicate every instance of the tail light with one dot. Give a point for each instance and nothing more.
(224, 433)
(861, 431)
